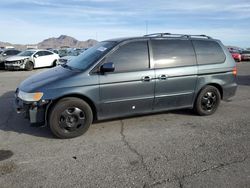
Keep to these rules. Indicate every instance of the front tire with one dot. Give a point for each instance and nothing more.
(70, 117)
(207, 101)
(54, 63)
(29, 66)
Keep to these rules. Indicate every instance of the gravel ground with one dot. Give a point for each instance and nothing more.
(171, 149)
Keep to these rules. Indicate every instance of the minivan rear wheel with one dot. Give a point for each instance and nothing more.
(70, 117)
(207, 101)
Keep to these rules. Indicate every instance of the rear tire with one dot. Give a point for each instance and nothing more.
(29, 66)
(70, 117)
(207, 101)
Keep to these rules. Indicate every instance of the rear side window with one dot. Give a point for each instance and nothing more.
(173, 53)
(208, 52)
(130, 57)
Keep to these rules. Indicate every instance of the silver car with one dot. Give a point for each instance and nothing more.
(6, 54)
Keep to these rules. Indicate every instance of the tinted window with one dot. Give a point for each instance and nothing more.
(130, 57)
(173, 53)
(40, 53)
(47, 53)
(14, 52)
(8, 52)
(246, 52)
(208, 52)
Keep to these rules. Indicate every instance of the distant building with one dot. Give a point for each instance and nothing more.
(9, 47)
(31, 47)
(62, 47)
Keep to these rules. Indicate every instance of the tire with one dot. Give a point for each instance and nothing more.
(207, 101)
(54, 63)
(70, 117)
(29, 66)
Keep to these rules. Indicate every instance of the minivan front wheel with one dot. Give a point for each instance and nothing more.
(207, 101)
(70, 117)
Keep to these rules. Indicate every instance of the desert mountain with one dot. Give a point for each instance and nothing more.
(65, 40)
(53, 42)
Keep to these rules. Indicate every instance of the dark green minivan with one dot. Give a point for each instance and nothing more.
(129, 76)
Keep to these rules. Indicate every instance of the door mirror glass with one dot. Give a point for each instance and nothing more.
(107, 67)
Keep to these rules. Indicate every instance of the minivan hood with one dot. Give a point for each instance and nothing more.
(45, 78)
(16, 58)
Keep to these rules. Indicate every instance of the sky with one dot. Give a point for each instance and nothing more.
(31, 21)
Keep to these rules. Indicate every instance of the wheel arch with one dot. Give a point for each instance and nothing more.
(79, 96)
(54, 63)
(216, 85)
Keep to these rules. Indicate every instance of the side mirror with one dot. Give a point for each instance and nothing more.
(107, 67)
(36, 56)
(4, 54)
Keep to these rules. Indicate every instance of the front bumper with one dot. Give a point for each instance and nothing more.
(34, 111)
(10, 66)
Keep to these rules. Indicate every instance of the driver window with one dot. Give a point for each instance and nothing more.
(132, 56)
(39, 54)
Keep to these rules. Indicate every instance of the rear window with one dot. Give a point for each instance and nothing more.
(208, 52)
(173, 53)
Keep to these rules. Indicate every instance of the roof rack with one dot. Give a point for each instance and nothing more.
(177, 35)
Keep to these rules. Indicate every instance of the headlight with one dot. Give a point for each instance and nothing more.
(30, 97)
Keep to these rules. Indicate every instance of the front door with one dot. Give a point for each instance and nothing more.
(40, 59)
(130, 88)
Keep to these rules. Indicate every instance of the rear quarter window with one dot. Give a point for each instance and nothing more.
(208, 52)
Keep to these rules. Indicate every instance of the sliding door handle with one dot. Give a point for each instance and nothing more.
(162, 77)
(146, 78)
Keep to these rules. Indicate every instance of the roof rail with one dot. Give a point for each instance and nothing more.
(177, 35)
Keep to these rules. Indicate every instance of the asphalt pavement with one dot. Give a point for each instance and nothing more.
(170, 149)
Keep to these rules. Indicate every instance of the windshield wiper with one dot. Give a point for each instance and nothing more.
(69, 67)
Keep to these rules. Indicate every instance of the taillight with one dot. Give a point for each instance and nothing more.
(235, 71)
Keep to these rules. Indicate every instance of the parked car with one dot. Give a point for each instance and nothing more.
(130, 76)
(245, 55)
(30, 59)
(5, 54)
(69, 56)
(236, 54)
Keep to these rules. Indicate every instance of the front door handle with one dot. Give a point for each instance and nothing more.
(162, 77)
(146, 78)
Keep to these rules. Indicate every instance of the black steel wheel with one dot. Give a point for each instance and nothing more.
(70, 117)
(207, 101)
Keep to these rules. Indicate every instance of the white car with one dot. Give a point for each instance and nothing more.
(30, 59)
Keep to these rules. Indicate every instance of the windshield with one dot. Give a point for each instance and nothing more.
(246, 52)
(27, 53)
(90, 56)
